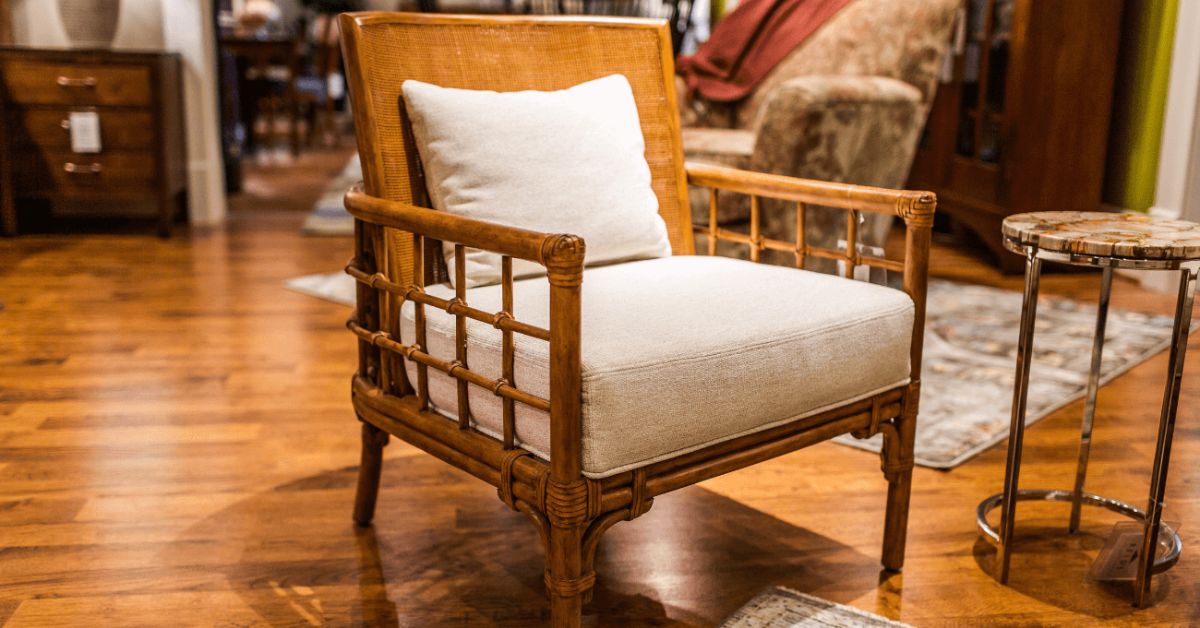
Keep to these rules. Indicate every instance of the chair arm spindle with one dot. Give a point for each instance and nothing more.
(562, 255)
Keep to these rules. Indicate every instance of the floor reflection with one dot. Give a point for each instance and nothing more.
(377, 609)
(1043, 549)
(444, 551)
(889, 594)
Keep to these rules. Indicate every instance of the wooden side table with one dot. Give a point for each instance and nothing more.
(1108, 241)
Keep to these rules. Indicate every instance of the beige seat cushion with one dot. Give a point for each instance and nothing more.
(684, 352)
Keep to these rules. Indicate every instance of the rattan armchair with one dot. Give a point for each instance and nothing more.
(397, 263)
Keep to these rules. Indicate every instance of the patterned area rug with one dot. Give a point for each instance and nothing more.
(778, 607)
(337, 287)
(970, 358)
(329, 217)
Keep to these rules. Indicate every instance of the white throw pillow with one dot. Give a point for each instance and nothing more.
(571, 161)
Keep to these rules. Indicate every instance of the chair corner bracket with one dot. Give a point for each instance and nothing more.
(917, 208)
(569, 588)
(570, 504)
(562, 255)
(894, 461)
(373, 435)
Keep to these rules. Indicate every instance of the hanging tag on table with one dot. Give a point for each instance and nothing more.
(85, 131)
(336, 85)
(1118, 559)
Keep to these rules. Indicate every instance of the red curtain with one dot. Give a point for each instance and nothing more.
(749, 42)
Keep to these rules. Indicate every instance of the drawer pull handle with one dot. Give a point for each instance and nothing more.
(87, 81)
(66, 124)
(82, 168)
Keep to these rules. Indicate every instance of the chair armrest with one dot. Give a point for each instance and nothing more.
(913, 207)
(840, 128)
(505, 240)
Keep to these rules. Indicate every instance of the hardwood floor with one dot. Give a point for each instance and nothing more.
(177, 448)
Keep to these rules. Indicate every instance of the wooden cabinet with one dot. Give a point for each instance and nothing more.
(137, 99)
(1023, 123)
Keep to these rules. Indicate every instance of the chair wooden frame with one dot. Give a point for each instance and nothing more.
(570, 511)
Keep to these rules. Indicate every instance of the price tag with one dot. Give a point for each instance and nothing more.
(85, 131)
(336, 85)
(1118, 559)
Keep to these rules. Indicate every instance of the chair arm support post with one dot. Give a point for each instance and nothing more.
(564, 265)
(570, 500)
(918, 218)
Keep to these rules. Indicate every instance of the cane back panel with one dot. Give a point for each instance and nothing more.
(502, 53)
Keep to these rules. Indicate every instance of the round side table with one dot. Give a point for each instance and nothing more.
(1108, 241)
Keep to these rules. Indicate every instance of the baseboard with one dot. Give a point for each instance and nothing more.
(1166, 213)
(206, 193)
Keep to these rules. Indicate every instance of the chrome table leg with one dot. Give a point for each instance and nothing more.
(1089, 411)
(1166, 428)
(1016, 431)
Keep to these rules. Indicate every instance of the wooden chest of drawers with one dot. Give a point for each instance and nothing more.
(138, 100)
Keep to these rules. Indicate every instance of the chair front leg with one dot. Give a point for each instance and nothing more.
(897, 462)
(571, 501)
(566, 582)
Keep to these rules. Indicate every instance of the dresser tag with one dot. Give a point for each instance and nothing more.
(85, 132)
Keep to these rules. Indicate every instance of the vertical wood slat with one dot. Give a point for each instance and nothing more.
(509, 354)
(566, 391)
(395, 304)
(460, 334)
(366, 297)
(851, 242)
(755, 240)
(387, 311)
(916, 284)
(801, 241)
(419, 320)
(712, 221)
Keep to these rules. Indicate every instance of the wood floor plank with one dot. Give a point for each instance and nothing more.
(185, 610)
(178, 447)
(144, 436)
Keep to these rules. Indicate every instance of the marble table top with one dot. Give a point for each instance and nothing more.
(1132, 236)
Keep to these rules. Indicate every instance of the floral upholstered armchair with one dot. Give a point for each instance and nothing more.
(848, 105)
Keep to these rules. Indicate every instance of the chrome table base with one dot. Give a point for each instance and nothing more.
(1173, 545)
(1152, 516)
